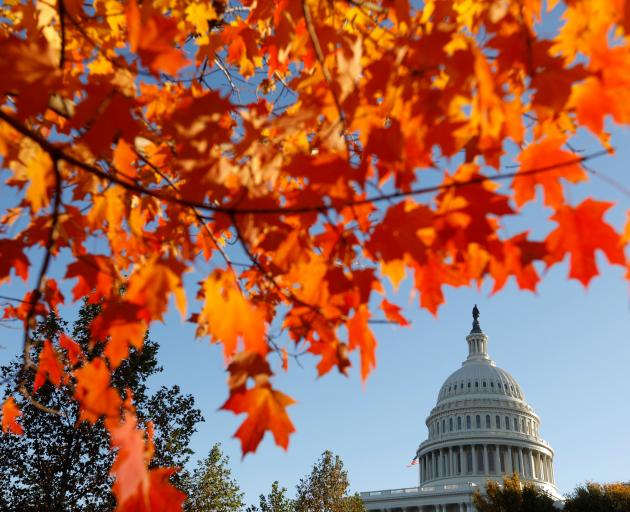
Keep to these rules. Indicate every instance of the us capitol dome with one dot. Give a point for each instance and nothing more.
(480, 429)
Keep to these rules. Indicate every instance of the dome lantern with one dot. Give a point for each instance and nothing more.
(477, 340)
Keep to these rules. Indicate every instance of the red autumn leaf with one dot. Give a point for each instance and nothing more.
(266, 410)
(136, 487)
(95, 276)
(72, 348)
(95, 393)
(581, 232)
(48, 366)
(541, 155)
(151, 36)
(13, 258)
(122, 323)
(10, 414)
(392, 313)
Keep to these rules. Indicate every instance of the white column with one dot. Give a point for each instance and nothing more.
(509, 463)
(462, 471)
(531, 463)
(486, 466)
(497, 461)
(520, 462)
(440, 469)
(474, 458)
(553, 478)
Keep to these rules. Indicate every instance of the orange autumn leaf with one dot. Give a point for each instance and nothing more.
(266, 411)
(360, 336)
(543, 154)
(49, 367)
(10, 414)
(151, 286)
(581, 232)
(392, 313)
(223, 314)
(95, 393)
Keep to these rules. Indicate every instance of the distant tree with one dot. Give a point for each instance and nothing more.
(211, 487)
(513, 496)
(326, 488)
(62, 464)
(593, 497)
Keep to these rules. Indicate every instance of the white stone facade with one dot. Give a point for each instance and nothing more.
(480, 429)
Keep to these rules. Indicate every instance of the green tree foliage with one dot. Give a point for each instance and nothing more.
(593, 497)
(513, 496)
(62, 464)
(326, 488)
(211, 487)
(276, 501)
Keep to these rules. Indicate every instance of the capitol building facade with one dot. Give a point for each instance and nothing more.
(480, 429)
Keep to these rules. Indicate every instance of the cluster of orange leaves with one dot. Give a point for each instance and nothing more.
(112, 129)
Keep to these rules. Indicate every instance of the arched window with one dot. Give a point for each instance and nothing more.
(516, 424)
(459, 422)
(450, 424)
(523, 425)
(468, 422)
(478, 421)
(468, 384)
(484, 383)
(437, 428)
(443, 426)
(498, 421)
(507, 423)
(487, 421)
(476, 384)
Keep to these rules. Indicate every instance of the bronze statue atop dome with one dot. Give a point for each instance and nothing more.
(475, 312)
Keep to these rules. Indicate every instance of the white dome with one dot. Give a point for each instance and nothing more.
(479, 379)
(482, 428)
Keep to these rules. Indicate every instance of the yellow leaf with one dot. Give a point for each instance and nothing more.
(34, 167)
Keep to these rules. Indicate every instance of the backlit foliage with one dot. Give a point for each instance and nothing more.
(295, 154)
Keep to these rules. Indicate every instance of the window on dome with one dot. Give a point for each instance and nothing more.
(492, 384)
(437, 428)
(478, 421)
(476, 384)
(459, 423)
(498, 421)
(443, 426)
(461, 386)
(507, 423)
(468, 385)
(529, 427)
(488, 421)
(450, 424)
(523, 425)
(484, 383)
(516, 424)
(468, 422)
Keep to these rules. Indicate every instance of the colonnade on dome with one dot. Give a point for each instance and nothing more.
(486, 460)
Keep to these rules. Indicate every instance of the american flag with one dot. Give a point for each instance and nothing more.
(413, 462)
